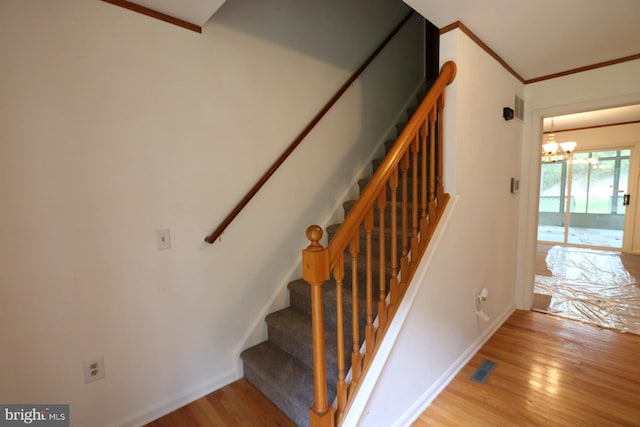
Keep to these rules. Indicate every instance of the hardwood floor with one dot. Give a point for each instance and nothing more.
(238, 404)
(550, 371)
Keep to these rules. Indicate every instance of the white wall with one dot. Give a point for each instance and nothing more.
(606, 87)
(114, 125)
(476, 248)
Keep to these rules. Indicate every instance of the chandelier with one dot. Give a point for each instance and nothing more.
(553, 151)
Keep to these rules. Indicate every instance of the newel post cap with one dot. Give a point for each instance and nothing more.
(315, 258)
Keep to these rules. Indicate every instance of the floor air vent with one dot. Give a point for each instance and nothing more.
(484, 370)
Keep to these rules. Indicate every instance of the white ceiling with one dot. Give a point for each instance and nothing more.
(196, 12)
(536, 38)
(542, 37)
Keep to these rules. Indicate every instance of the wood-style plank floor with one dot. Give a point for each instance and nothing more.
(238, 404)
(550, 371)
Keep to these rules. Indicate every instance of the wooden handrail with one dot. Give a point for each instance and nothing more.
(418, 149)
(252, 192)
(378, 181)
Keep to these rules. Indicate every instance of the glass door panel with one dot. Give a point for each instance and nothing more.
(582, 201)
(552, 207)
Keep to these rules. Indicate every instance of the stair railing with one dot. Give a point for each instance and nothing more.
(415, 155)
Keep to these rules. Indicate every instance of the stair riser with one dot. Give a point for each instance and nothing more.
(302, 301)
(362, 184)
(375, 164)
(362, 275)
(299, 415)
(375, 240)
(302, 350)
(376, 220)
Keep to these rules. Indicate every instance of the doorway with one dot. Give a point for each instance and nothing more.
(584, 199)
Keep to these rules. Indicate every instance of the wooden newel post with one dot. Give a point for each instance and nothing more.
(315, 271)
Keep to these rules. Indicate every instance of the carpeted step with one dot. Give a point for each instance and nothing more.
(375, 164)
(290, 330)
(349, 204)
(285, 380)
(300, 299)
(362, 184)
(362, 259)
(362, 271)
(375, 236)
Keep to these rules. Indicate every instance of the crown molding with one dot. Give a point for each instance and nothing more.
(459, 25)
(585, 68)
(155, 14)
(632, 122)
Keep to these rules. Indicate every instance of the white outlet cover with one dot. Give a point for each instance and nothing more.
(93, 369)
(163, 239)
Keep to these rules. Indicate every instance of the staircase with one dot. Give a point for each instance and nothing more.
(282, 367)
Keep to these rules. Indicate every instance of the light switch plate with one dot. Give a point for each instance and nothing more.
(163, 239)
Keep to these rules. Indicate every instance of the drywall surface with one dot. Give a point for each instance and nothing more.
(115, 125)
(477, 248)
(606, 87)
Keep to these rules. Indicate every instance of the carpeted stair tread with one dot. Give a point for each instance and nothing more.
(348, 206)
(362, 185)
(285, 380)
(375, 163)
(329, 287)
(290, 329)
(300, 298)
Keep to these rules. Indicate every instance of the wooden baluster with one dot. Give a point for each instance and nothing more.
(356, 357)
(382, 303)
(369, 330)
(404, 262)
(439, 183)
(341, 386)
(432, 161)
(423, 182)
(393, 282)
(415, 149)
(315, 271)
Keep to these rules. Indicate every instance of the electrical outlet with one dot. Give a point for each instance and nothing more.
(163, 239)
(93, 369)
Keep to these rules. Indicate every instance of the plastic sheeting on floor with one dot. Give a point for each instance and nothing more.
(591, 286)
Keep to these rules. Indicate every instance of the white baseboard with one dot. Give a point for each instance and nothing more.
(158, 410)
(425, 400)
